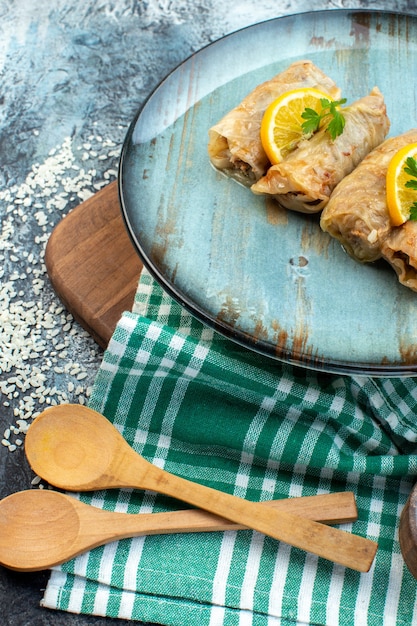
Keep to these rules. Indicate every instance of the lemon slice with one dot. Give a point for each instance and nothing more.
(281, 128)
(399, 197)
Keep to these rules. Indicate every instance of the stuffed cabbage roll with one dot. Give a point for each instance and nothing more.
(400, 250)
(357, 213)
(234, 142)
(304, 180)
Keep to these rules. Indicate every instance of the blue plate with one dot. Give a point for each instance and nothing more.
(264, 277)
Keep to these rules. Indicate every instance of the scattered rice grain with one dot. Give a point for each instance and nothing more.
(37, 352)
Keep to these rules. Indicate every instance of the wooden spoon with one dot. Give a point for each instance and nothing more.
(76, 448)
(408, 532)
(42, 528)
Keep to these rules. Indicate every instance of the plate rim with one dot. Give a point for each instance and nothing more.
(239, 336)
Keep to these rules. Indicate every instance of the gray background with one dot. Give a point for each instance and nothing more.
(72, 76)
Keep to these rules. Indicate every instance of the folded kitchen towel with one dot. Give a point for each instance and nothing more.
(202, 407)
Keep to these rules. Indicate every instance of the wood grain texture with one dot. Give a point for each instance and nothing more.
(408, 532)
(75, 448)
(69, 527)
(93, 265)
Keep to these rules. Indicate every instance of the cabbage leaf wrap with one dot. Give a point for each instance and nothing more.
(357, 215)
(306, 178)
(235, 146)
(400, 250)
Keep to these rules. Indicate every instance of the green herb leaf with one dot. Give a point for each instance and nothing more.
(312, 122)
(337, 124)
(411, 167)
(328, 109)
(413, 212)
(411, 184)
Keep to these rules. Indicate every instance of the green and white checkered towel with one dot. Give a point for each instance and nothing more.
(209, 410)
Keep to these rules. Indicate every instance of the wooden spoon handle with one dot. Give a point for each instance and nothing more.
(42, 528)
(330, 543)
(328, 508)
(98, 526)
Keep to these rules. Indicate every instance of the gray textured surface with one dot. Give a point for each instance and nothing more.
(72, 75)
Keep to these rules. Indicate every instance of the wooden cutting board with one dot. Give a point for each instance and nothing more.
(92, 264)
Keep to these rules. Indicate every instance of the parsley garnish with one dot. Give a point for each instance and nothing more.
(411, 168)
(328, 109)
(413, 212)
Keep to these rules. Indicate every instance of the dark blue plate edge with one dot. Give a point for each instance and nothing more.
(234, 334)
